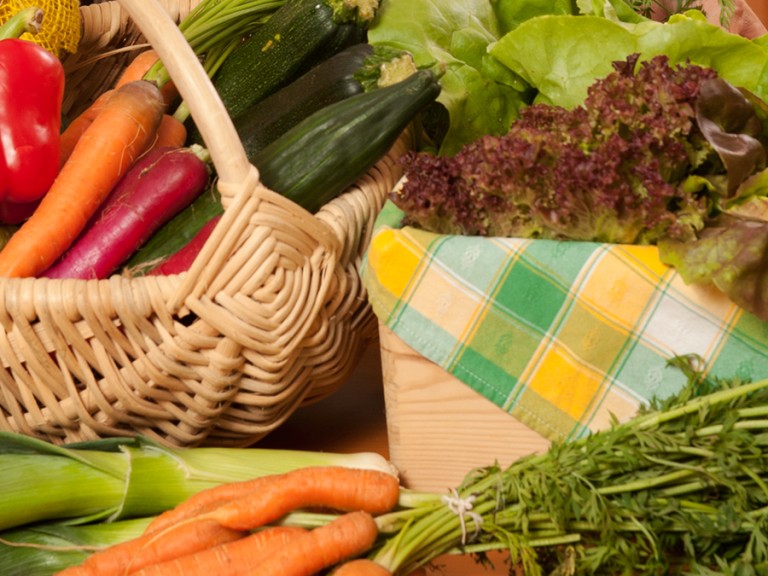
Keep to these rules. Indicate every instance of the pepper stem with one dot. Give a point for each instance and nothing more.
(26, 20)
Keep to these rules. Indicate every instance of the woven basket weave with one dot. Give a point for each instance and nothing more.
(109, 41)
(271, 316)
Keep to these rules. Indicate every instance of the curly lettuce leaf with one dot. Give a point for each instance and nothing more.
(729, 121)
(751, 199)
(586, 46)
(732, 255)
(480, 95)
(689, 37)
(760, 108)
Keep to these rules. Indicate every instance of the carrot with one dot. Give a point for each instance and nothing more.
(170, 134)
(137, 70)
(74, 130)
(123, 131)
(343, 538)
(240, 556)
(361, 567)
(252, 503)
(149, 549)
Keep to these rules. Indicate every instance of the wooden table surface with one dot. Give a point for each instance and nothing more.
(353, 419)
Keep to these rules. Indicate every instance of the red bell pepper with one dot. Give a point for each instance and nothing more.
(31, 93)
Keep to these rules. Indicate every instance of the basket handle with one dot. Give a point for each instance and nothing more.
(192, 81)
(234, 170)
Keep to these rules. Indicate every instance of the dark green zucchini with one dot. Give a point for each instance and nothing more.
(345, 74)
(296, 37)
(325, 153)
(347, 34)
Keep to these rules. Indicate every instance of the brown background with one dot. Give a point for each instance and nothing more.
(761, 9)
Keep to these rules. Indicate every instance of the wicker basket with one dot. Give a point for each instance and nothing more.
(272, 315)
(109, 41)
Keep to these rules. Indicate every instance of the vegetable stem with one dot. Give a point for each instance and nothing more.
(28, 20)
(214, 27)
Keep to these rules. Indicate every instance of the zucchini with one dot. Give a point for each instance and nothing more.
(325, 153)
(347, 34)
(298, 35)
(345, 74)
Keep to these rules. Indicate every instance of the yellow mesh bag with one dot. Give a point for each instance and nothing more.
(60, 32)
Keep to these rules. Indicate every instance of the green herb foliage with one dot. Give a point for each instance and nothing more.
(680, 489)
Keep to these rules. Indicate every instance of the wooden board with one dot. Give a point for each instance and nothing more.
(438, 427)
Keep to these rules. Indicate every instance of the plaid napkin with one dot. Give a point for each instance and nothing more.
(564, 336)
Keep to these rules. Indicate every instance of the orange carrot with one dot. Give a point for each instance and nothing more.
(253, 503)
(75, 129)
(361, 567)
(345, 537)
(124, 130)
(137, 69)
(148, 549)
(241, 556)
(171, 133)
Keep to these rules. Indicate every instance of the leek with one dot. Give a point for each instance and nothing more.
(46, 549)
(114, 479)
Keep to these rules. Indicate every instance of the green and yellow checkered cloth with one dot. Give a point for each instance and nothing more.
(562, 335)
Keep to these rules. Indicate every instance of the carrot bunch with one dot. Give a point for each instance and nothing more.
(237, 529)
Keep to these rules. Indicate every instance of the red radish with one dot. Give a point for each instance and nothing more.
(182, 259)
(160, 184)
